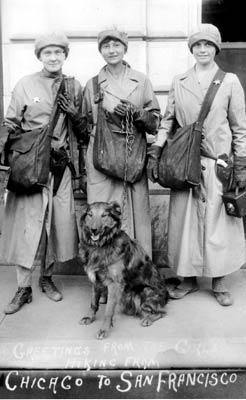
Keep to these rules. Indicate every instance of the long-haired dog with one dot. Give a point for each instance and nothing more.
(114, 261)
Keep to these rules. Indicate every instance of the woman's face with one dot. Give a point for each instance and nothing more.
(113, 51)
(53, 58)
(204, 52)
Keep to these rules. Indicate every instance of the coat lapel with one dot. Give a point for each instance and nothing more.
(130, 83)
(190, 83)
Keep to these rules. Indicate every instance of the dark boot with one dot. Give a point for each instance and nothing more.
(48, 287)
(22, 296)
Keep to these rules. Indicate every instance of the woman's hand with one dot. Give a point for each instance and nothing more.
(239, 172)
(122, 108)
(153, 153)
(67, 105)
(144, 121)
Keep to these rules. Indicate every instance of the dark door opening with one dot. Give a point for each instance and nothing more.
(229, 17)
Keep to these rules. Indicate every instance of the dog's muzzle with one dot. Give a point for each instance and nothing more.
(95, 234)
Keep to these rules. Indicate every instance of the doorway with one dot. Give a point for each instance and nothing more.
(229, 17)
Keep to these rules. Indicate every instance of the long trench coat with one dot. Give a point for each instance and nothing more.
(25, 215)
(135, 87)
(202, 239)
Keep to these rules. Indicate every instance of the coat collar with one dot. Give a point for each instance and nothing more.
(46, 74)
(130, 82)
(189, 81)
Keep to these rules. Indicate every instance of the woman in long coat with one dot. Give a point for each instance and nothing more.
(121, 85)
(41, 227)
(202, 239)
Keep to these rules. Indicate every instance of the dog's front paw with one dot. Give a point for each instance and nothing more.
(102, 334)
(87, 320)
(147, 321)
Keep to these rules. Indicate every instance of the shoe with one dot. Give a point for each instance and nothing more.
(224, 298)
(48, 287)
(21, 297)
(179, 293)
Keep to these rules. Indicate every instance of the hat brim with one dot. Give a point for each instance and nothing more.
(110, 37)
(203, 36)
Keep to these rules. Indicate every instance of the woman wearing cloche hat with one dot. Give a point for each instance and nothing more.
(42, 226)
(203, 240)
(124, 93)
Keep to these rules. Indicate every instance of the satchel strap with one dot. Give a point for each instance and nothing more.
(209, 97)
(55, 113)
(98, 94)
(70, 89)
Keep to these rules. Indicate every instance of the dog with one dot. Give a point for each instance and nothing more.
(114, 261)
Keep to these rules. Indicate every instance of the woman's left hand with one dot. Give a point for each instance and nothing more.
(122, 108)
(153, 154)
(67, 105)
(239, 172)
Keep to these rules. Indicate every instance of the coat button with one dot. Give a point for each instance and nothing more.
(203, 137)
(203, 168)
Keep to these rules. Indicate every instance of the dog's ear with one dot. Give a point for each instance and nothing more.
(114, 209)
(84, 210)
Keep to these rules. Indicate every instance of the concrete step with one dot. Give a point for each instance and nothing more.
(196, 332)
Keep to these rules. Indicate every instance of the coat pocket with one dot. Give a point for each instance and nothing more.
(224, 171)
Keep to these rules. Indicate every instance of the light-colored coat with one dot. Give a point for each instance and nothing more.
(24, 215)
(202, 239)
(135, 87)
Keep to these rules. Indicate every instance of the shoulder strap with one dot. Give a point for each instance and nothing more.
(56, 109)
(95, 85)
(70, 89)
(98, 96)
(210, 95)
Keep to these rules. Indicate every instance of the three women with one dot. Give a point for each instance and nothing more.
(202, 239)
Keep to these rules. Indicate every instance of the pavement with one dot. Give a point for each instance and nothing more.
(196, 332)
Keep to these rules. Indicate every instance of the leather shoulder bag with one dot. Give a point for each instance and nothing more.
(180, 160)
(29, 155)
(119, 153)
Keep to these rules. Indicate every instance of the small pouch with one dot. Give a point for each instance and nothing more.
(235, 202)
(224, 171)
(58, 162)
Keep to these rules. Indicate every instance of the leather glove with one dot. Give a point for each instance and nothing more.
(153, 153)
(67, 105)
(224, 171)
(123, 106)
(144, 121)
(239, 172)
(78, 121)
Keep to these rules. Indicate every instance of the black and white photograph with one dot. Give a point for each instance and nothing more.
(122, 199)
